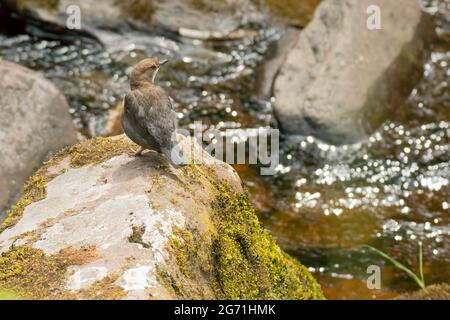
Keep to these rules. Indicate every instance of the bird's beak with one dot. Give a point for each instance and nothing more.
(163, 62)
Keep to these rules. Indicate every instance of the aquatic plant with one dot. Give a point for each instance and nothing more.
(419, 279)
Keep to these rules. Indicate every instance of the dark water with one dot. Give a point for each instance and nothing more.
(325, 202)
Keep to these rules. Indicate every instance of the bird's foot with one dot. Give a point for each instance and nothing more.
(139, 152)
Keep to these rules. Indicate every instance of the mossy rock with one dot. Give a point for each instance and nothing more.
(241, 260)
(97, 222)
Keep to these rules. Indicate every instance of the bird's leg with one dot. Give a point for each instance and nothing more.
(139, 152)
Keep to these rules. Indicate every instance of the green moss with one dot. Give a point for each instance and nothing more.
(192, 275)
(97, 150)
(34, 190)
(30, 273)
(33, 236)
(194, 258)
(248, 263)
(136, 236)
(241, 260)
(192, 172)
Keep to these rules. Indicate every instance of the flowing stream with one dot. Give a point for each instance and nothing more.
(325, 202)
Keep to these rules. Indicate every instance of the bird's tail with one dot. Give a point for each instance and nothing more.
(176, 157)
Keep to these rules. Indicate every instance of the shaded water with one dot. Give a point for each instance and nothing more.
(390, 191)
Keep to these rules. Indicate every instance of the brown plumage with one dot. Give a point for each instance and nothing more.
(148, 118)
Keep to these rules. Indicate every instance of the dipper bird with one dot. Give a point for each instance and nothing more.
(148, 118)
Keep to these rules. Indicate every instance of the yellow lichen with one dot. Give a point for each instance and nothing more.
(98, 150)
(34, 235)
(136, 236)
(30, 273)
(80, 256)
(190, 244)
(191, 278)
(88, 152)
(156, 183)
(240, 261)
(248, 263)
(104, 289)
(34, 190)
(235, 259)
(192, 172)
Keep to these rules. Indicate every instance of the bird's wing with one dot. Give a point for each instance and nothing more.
(154, 114)
(171, 102)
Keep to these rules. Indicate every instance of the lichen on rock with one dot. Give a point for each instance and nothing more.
(98, 223)
(91, 151)
(30, 273)
(242, 259)
(34, 190)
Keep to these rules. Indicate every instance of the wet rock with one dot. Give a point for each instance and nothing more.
(219, 18)
(433, 292)
(109, 225)
(192, 18)
(34, 121)
(98, 20)
(273, 61)
(341, 80)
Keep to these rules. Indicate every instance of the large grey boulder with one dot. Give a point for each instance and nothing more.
(96, 222)
(340, 80)
(34, 121)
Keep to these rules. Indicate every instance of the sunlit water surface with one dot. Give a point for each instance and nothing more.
(325, 202)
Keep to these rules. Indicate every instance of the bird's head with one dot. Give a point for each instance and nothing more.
(145, 71)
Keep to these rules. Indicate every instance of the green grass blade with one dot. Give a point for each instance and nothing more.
(421, 263)
(402, 267)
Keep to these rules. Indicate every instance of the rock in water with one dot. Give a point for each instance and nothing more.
(341, 79)
(432, 292)
(211, 19)
(34, 121)
(99, 223)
